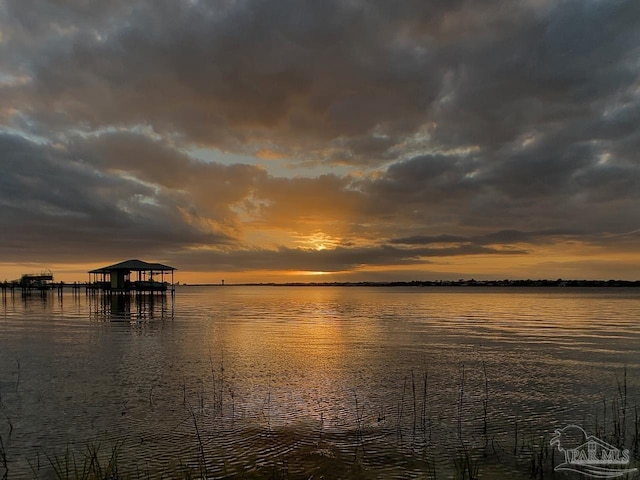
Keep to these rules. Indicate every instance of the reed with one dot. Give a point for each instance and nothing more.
(90, 467)
(425, 418)
(464, 457)
(359, 415)
(485, 405)
(202, 459)
(622, 418)
(221, 385)
(382, 414)
(217, 385)
(232, 394)
(635, 443)
(538, 458)
(3, 459)
(604, 415)
(401, 408)
(10, 423)
(151, 406)
(201, 397)
(18, 375)
(460, 398)
(466, 468)
(415, 409)
(267, 405)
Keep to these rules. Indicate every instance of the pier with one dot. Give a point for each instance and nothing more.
(124, 278)
(29, 283)
(132, 276)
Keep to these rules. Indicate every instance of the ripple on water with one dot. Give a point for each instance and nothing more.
(325, 381)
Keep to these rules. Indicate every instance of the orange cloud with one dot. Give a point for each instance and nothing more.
(268, 154)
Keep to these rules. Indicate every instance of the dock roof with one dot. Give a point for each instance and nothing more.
(134, 265)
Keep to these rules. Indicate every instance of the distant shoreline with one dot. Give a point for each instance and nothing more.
(437, 283)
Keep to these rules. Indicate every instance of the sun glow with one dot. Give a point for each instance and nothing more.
(307, 273)
(318, 241)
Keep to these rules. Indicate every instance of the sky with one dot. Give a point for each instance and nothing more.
(333, 140)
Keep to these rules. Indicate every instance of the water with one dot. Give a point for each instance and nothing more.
(311, 382)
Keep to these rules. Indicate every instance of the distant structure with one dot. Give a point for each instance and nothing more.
(132, 276)
(40, 282)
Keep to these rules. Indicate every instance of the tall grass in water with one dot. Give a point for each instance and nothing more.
(471, 425)
(202, 458)
(3, 459)
(217, 384)
(466, 468)
(91, 465)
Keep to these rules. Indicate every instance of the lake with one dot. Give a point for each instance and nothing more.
(315, 382)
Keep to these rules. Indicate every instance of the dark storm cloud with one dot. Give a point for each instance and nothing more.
(540, 72)
(54, 206)
(334, 260)
(503, 237)
(206, 188)
(355, 78)
(576, 188)
(474, 124)
(222, 75)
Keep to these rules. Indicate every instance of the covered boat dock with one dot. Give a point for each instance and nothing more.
(133, 276)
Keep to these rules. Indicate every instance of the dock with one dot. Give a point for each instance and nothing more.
(132, 277)
(29, 283)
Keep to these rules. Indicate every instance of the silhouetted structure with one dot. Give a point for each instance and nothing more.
(132, 276)
(39, 282)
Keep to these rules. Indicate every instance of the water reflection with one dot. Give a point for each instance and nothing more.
(333, 382)
(130, 308)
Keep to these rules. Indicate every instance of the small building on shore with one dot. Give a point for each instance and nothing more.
(133, 276)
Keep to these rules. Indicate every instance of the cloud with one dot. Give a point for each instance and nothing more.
(469, 126)
(331, 260)
(55, 206)
(504, 238)
(304, 74)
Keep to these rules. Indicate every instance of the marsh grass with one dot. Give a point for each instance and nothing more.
(90, 466)
(3, 459)
(474, 454)
(359, 415)
(218, 384)
(202, 458)
(465, 466)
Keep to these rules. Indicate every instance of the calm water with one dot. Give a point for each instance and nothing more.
(311, 382)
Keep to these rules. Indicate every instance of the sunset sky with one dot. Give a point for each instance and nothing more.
(321, 140)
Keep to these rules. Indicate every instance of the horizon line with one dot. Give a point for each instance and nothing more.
(435, 283)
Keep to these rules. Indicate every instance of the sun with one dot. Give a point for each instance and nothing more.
(318, 241)
(308, 273)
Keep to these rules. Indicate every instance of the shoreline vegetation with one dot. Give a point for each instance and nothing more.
(479, 444)
(437, 283)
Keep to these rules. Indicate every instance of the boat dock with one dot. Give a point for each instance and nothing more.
(132, 276)
(124, 278)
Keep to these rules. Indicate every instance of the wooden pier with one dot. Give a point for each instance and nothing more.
(10, 288)
(132, 277)
(29, 284)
